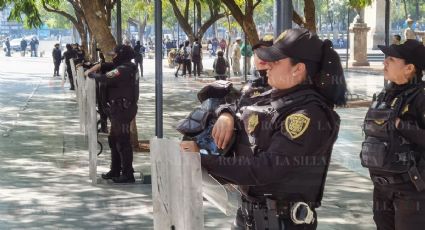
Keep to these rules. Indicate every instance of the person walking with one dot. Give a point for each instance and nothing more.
(122, 96)
(284, 127)
(57, 58)
(223, 45)
(236, 57)
(394, 146)
(187, 50)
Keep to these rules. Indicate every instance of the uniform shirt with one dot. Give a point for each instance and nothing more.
(279, 158)
(411, 126)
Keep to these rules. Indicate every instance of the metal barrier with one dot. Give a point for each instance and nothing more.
(85, 89)
(176, 187)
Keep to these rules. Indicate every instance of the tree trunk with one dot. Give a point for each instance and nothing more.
(310, 15)
(246, 21)
(417, 9)
(405, 9)
(99, 25)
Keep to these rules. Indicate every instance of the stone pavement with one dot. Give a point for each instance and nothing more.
(44, 171)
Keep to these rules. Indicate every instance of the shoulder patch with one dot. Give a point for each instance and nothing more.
(295, 125)
(113, 73)
(405, 109)
(252, 122)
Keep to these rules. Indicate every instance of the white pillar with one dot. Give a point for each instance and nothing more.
(375, 19)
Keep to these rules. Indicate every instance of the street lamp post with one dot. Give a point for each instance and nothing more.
(282, 16)
(158, 69)
(119, 24)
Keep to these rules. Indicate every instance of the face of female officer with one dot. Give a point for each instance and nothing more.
(282, 74)
(396, 70)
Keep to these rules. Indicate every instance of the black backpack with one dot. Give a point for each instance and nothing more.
(220, 66)
(196, 50)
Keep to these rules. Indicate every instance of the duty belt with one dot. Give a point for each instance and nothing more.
(413, 175)
(276, 211)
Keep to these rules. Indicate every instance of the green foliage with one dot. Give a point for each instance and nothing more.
(23, 11)
(359, 4)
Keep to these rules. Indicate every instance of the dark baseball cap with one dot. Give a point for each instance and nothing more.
(294, 43)
(411, 50)
(266, 41)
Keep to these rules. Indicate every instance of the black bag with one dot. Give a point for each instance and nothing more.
(178, 59)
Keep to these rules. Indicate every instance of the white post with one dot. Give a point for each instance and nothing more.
(81, 98)
(176, 187)
(91, 128)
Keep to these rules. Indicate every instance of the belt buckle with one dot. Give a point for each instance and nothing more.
(381, 180)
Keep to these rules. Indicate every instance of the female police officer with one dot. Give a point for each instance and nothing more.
(284, 142)
(394, 147)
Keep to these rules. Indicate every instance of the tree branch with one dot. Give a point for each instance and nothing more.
(297, 18)
(63, 13)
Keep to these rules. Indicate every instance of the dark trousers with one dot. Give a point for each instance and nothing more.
(398, 210)
(70, 77)
(121, 150)
(178, 68)
(197, 68)
(285, 223)
(56, 70)
(139, 62)
(187, 66)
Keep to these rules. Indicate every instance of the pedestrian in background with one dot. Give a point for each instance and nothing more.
(196, 57)
(57, 58)
(394, 148)
(138, 57)
(221, 66)
(7, 43)
(34, 45)
(187, 66)
(236, 57)
(24, 45)
(396, 39)
(246, 52)
(223, 45)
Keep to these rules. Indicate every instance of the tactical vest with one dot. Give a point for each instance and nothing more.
(261, 121)
(384, 150)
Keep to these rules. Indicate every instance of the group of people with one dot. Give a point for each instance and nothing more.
(185, 55)
(34, 43)
(282, 130)
(240, 50)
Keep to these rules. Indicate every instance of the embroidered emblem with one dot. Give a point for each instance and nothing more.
(281, 37)
(113, 73)
(296, 124)
(252, 122)
(405, 109)
(379, 122)
(256, 93)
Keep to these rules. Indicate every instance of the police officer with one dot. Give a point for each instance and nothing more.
(394, 148)
(253, 89)
(68, 55)
(283, 142)
(122, 95)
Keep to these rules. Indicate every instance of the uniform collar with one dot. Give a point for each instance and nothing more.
(278, 93)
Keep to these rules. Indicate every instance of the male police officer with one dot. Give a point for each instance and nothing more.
(121, 95)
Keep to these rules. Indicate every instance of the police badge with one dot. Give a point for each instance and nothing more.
(252, 122)
(296, 124)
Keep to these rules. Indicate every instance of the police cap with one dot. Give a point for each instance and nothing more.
(412, 51)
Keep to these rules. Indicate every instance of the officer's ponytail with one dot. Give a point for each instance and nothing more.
(330, 80)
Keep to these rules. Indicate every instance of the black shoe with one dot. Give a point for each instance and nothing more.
(124, 179)
(72, 88)
(110, 175)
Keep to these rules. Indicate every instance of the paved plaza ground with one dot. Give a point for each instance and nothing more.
(44, 159)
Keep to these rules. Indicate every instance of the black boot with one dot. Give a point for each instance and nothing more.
(124, 179)
(110, 175)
